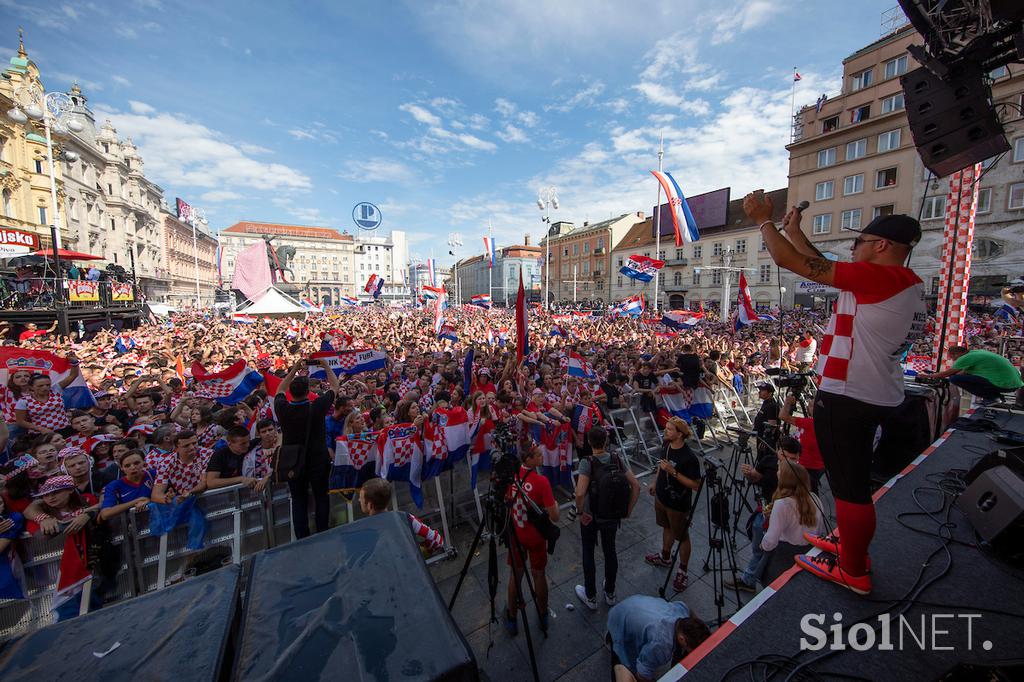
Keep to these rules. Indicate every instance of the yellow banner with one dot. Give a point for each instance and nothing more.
(83, 290)
(121, 291)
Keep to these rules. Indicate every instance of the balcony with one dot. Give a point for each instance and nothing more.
(597, 274)
(599, 251)
(676, 262)
(675, 288)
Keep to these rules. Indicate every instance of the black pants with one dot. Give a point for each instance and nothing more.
(845, 429)
(316, 477)
(979, 386)
(589, 533)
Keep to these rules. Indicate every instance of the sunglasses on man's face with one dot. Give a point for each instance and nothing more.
(860, 240)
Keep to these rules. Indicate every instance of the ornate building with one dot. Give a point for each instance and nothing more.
(386, 256)
(187, 260)
(25, 199)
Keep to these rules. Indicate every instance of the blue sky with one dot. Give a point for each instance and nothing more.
(444, 114)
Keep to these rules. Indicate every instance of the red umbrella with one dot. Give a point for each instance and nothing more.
(66, 255)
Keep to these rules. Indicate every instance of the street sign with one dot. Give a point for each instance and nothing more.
(367, 216)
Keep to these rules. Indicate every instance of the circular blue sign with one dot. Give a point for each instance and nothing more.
(367, 216)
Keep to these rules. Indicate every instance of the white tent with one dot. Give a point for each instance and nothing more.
(270, 303)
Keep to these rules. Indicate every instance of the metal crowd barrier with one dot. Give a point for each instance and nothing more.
(236, 517)
(45, 293)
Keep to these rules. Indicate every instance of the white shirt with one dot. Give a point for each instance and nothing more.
(784, 524)
(806, 353)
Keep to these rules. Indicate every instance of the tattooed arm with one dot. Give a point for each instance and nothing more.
(816, 268)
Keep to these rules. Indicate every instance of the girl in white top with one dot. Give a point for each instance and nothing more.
(793, 511)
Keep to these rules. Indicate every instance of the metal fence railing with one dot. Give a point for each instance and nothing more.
(47, 293)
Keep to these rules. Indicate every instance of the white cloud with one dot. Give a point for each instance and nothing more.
(444, 104)
(618, 105)
(504, 107)
(477, 121)
(181, 152)
(129, 32)
(304, 214)
(528, 118)
(299, 134)
(315, 131)
(121, 80)
(475, 142)
(86, 84)
(219, 195)
(420, 114)
(140, 107)
(379, 170)
(69, 11)
(738, 19)
(126, 32)
(659, 94)
(254, 149)
(584, 97)
(513, 134)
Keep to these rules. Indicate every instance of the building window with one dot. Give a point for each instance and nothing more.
(824, 190)
(853, 184)
(889, 141)
(861, 80)
(586, 267)
(894, 103)
(575, 249)
(716, 249)
(42, 215)
(586, 248)
(696, 279)
(984, 200)
(1018, 150)
(3, 144)
(856, 149)
(600, 242)
(39, 166)
(1016, 198)
(679, 254)
(885, 178)
(998, 72)
(829, 124)
(106, 148)
(661, 255)
(716, 278)
(677, 278)
(764, 245)
(765, 273)
(934, 207)
(860, 114)
(7, 203)
(698, 249)
(826, 157)
(822, 223)
(741, 246)
(620, 261)
(850, 220)
(885, 209)
(896, 67)
(618, 281)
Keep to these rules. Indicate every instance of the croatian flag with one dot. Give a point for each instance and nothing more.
(745, 313)
(356, 460)
(489, 251)
(348, 300)
(348, 361)
(431, 272)
(438, 317)
(374, 285)
(632, 306)
(916, 364)
(230, 386)
(401, 458)
(490, 337)
(448, 434)
(309, 305)
(482, 300)
(682, 319)
(556, 448)
(76, 395)
(448, 332)
(585, 418)
(242, 318)
(796, 76)
(682, 219)
(675, 403)
(431, 293)
(641, 268)
(578, 367)
(522, 323)
(502, 337)
(558, 330)
(124, 344)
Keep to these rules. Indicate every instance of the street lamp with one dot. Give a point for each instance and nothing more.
(454, 242)
(547, 198)
(53, 109)
(726, 269)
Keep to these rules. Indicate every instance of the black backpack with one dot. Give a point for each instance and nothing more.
(609, 491)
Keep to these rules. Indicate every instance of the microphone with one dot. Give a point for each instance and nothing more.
(799, 209)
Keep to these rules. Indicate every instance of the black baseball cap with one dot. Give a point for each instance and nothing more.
(898, 228)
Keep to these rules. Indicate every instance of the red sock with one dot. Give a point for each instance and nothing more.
(856, 524)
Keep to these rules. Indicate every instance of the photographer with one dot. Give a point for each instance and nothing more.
(810, 454)
(766, 421)
(878, 315)
(531, 543)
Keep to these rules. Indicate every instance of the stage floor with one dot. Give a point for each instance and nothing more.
(959, 604)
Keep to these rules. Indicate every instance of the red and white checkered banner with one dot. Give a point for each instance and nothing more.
(955, 267)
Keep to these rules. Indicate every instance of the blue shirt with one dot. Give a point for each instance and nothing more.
(335, 427)
(643, 632)
(121, 491)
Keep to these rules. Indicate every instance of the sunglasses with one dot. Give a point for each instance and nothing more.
(860, 240)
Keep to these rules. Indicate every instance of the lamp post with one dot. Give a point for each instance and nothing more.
(454, 242)
(726, 269)
(53, 110)
(547, 198)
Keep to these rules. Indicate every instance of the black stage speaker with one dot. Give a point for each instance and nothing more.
(994, 504)
(952, 119)
(906, 432)
(352, 603)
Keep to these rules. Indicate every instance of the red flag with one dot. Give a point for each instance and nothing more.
(522, 326)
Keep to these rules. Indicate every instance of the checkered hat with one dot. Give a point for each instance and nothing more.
(54, 484)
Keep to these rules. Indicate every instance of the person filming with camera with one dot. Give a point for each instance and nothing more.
(879, 313)
(530, 544)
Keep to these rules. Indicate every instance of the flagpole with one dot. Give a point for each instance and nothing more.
(490, 269)
(792, 106)
(657, 220)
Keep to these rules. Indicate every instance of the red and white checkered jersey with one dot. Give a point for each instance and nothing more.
(879, 313)
(431, 537)
(184, 477)
(50, 414)
(7, 402)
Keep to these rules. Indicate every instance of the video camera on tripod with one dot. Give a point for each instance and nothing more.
(796, 382)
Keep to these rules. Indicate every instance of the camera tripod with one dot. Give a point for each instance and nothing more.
(495, 509)
(737, 486)
(720, 548)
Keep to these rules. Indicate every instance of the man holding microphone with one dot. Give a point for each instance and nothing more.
(879, 312)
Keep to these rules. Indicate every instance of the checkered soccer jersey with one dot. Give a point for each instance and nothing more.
(183, 477)
(51, 414)
(879, 313)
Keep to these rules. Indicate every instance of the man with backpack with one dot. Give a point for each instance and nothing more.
(606, 492)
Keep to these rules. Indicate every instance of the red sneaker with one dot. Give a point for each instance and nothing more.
(826, 543)
(826, 567)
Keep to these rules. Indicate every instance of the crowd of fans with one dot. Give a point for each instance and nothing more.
(155, 438)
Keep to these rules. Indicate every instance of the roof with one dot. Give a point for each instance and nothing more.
(639, 235)
(586, 229)
(249, 227)
(887, 38)
(273, 302)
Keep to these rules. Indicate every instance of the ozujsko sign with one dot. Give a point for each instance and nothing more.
(14, 242)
